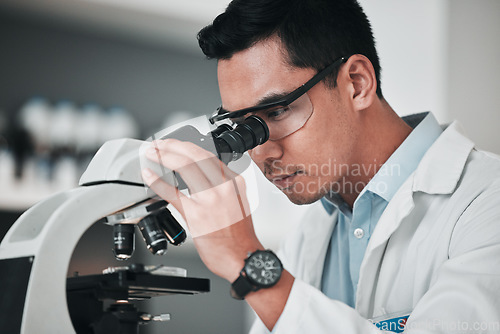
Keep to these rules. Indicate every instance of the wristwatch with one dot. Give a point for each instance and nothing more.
(262, 269)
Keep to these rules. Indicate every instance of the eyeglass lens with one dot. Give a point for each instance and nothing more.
(285, 120)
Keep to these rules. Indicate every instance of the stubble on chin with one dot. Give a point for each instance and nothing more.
(302, 197)
(307, 190)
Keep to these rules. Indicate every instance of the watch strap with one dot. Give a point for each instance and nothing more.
(242, 287)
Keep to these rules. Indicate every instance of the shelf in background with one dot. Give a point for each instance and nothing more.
(169, 23)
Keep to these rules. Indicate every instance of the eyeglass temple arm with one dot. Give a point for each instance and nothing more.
(314, 80)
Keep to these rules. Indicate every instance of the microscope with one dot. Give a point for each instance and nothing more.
(36, 296)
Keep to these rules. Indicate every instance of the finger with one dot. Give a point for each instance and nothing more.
(183, 147)
(166, 191)
(192, 175)
(204, 158)
(215, 210)
(198, 168)
(199, 155)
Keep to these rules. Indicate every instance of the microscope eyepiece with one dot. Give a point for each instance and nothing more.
(232, 143)
(220, 129)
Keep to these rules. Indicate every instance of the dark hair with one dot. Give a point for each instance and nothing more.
(313, 32)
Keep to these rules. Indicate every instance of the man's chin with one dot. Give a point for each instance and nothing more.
(300, 198)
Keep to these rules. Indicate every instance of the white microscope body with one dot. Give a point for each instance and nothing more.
(36, 251)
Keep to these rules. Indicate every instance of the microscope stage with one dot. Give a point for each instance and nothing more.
(135, 285)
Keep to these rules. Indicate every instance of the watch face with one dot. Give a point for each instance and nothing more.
(263, 268)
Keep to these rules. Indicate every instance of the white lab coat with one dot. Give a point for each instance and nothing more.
(434, 254)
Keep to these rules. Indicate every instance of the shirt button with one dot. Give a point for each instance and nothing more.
(359, 233)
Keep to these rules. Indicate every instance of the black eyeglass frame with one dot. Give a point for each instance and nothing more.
(285, 101)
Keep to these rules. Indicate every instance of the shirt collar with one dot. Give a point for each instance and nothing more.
(404, 161)
(400, 164)
(332, 201)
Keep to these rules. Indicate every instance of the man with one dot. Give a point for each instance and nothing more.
(407, 233)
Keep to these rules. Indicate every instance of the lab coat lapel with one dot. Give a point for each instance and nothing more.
(317, 245)
(438, 173)
(442, 166)
(396, 211)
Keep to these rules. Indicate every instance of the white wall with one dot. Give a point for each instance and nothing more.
(474, 70)
(442, 56)
(411, 41)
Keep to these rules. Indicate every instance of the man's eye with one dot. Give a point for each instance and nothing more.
(277, 114)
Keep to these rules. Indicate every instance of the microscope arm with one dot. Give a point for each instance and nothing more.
(42, 240)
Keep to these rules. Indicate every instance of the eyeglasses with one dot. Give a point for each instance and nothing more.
(286, 114)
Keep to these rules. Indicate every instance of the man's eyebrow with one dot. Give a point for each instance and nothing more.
(273, 97)
(270, 98)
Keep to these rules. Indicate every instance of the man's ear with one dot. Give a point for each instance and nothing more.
(361, 82)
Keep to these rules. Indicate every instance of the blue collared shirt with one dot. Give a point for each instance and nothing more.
(354, 228)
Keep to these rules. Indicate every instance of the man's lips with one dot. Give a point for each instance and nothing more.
(283, 181)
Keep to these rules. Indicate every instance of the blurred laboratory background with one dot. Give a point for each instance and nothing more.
(76, 73)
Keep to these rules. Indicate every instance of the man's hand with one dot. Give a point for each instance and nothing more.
(217, 211)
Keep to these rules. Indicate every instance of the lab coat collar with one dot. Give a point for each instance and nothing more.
(443, 164)
(438, 173)
(400, 165)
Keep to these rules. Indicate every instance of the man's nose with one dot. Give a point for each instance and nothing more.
(270, 150)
